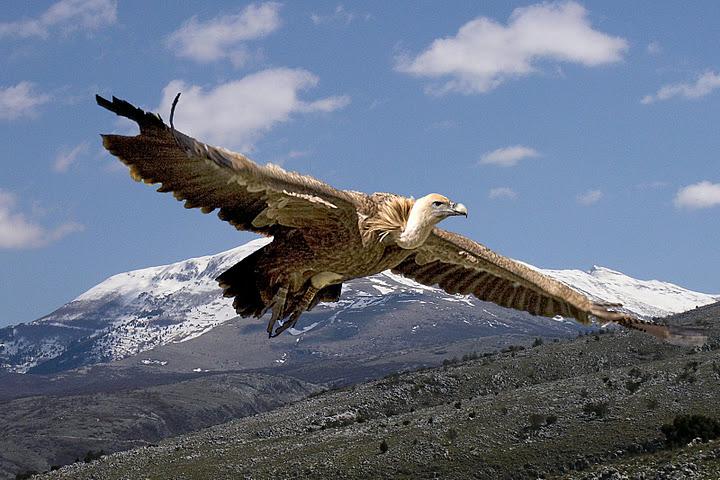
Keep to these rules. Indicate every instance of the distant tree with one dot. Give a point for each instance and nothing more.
(536, 422)
(93, 455)
(599, 409)
(538, 341)
(686, 428)
(26, 474)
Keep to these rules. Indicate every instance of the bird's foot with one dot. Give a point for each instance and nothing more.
(289, 323)
(278, 309)
(302, 306)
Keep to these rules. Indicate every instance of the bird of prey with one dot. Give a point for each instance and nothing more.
(323, 236)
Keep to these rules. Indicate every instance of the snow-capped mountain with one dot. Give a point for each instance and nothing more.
(648, 298)
(139, 310)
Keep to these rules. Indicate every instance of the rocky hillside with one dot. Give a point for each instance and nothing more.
(137, 311)
(60, 418)
(589, 408)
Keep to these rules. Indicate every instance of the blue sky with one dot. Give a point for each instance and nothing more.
(575, 133)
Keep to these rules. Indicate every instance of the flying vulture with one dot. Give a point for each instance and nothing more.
(323, 236)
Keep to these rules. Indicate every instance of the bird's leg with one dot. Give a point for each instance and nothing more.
(278, 308)
(303, 305)
(317, 283)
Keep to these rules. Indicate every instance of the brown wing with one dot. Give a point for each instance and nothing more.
(459, 265)
(249, 196)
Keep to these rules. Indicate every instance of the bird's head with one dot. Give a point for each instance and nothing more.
(436, 207)
(426, 212)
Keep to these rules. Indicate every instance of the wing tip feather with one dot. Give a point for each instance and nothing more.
(126, 109)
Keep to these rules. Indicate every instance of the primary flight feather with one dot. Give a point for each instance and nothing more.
(323, 236)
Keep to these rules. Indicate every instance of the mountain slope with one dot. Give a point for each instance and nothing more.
(648, 298)
(140, 310)
(553, 411)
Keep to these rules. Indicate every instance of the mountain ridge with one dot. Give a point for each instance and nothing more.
(138, 310)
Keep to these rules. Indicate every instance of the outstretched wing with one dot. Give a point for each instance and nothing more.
(459, 265)
(259, 198)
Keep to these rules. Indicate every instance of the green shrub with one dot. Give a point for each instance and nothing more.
(383, 446)
(536, 421)
(599, 409)
(686, 428)
(26, 474)
(93, 455)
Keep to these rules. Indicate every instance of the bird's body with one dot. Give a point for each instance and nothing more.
(323, 237)
(305, 265)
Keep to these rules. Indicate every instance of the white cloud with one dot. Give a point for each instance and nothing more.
(590, 197)
(236, 113)
(703, 85)
(654, 48)
(20, 100)
(699, 195)
(224, 36)
(484, 53)
(17, 231)
(66, 16)
(66, 157)
(339, 16)
(502, 192)
(508, 156)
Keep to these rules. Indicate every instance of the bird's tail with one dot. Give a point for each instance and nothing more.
(242, 281)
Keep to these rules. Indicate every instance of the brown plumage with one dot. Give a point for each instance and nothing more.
(324, 236)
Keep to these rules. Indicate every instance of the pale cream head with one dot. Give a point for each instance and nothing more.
(427, 212)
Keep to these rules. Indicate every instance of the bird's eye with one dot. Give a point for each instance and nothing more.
(437, 204)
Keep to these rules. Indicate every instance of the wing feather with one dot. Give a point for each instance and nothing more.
(213, 178)
(459, 265)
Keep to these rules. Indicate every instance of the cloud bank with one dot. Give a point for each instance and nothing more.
(703, 85)
(502, 192)
(591, 197)
(508, 156)
(484, 53)
(20, 100)
(65, 16)
(237, 113)
(17, 231)
(699, 195)
(225, 36)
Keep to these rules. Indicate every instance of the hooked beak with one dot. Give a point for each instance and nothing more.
(458, 209)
